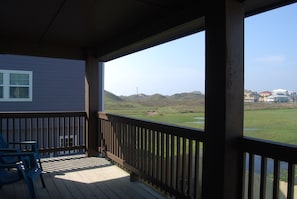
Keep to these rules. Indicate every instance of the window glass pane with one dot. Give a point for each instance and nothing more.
(19, 79)
(1, 83)
(1, 78)
(19, 92)
(1, 91)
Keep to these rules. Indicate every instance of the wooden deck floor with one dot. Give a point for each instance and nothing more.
(82, 177)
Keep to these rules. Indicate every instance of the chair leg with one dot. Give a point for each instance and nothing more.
(39, 161)
(42, 180)
(30, 186)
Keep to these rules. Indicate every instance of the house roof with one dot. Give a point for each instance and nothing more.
(107, 28)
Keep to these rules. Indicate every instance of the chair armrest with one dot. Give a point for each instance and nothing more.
(29, 159)
(9, 150)
(18, 154)
(33, 144)
(24, 142)
(6, 166)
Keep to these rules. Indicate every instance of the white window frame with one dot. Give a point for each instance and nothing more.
(65, 139)
(6, 86)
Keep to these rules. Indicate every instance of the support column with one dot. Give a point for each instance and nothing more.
(101, 86)
(92, 103)
(222, 171)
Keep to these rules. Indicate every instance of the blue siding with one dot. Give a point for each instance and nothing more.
(58, 84)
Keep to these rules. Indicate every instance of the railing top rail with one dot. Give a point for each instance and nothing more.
(275, 150)
(187, 132)
(41, 114)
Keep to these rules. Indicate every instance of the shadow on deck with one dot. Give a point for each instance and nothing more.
(82, 177)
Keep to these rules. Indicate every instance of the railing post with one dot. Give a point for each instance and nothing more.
(92, 95)
(222, 161)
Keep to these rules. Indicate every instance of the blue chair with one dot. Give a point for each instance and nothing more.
(27, 169)
(31, 146)
(10, 146)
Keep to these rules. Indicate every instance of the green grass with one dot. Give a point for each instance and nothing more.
(276, 122)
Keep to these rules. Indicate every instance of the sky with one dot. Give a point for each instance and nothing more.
(179, 66)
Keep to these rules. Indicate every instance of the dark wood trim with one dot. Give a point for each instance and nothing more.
(224, 87)
(91, 103)
(270, 149)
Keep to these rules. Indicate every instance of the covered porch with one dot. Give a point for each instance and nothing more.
(134, 153)
(217, 162)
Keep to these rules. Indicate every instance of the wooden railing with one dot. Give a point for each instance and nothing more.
(57, 133)
(166, 156)
(169, 157)
(270, 169)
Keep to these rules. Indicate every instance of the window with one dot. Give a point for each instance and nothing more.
(1, 85)
(15, 85)
(68, 141)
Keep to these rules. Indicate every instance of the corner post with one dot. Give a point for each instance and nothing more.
(222, 161)
(92, 94)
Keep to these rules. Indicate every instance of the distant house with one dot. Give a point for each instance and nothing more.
(250, 96)
(263, 95)
(40, 84)
(280, 92)
(280, 97)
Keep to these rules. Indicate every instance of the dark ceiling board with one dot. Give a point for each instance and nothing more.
(255, 7)
(166, 36)
(153, 29)
(111, 28)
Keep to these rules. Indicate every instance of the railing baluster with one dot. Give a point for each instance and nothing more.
(142, 150)
(150, 152)
(162, 145)
(276, 173)
(146, 158)
(183, 165)
(133, 131)
(172, 161)
(291, 181)
(6, 129)
(196, 171)
(124, 154)
(177, 164)
(47, 133)
(13, 129)
(263, 177)
(78, 129)
(251, 176)
(167, 167)
(155, 156)
(158, 170)
(19, 129)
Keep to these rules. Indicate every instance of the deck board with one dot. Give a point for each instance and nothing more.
(82, 177)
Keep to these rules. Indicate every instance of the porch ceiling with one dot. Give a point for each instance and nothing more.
(109, 28)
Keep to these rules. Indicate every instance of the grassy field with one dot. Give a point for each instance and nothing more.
(276, 125)
(276, 122)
